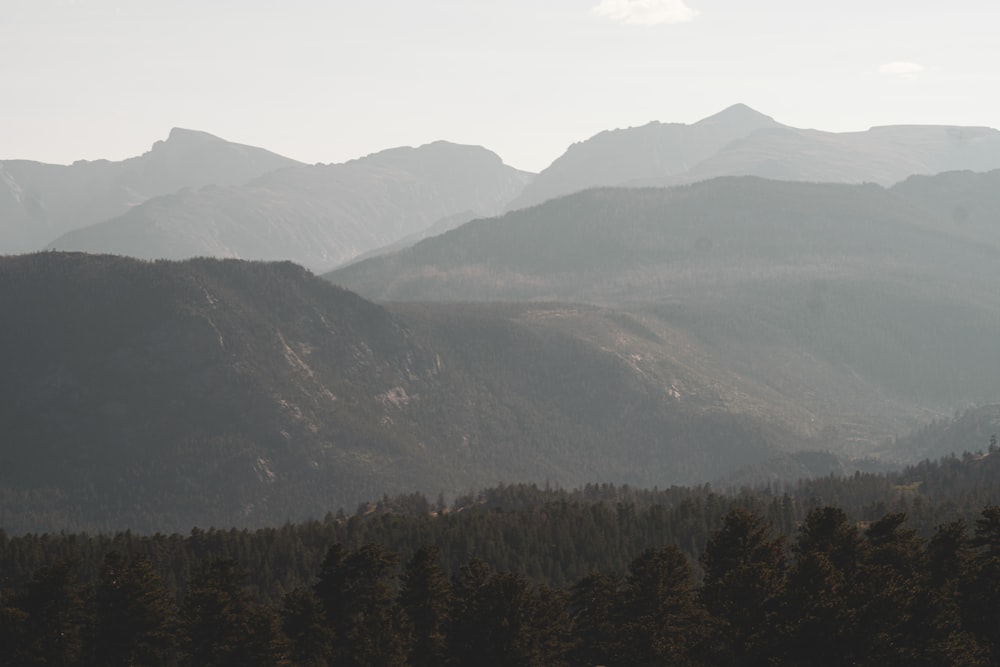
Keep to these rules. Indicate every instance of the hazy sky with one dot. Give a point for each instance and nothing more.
(330, 80)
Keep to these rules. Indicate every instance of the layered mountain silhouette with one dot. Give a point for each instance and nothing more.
(197, 195)
(961, 203)
(569, 332)
(39, 202)
(739, 141)
(614, 244)
(318, 216)
(655, 150)
(844, 299)
(163, 395)
(883, 155)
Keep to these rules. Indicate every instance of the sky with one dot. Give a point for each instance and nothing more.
(332, 80)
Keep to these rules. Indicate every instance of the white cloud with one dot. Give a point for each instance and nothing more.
(645, 12)
(900, 68)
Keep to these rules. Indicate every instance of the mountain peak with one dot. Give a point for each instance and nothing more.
(180, 136)
(439, 152)
(184, 134)
(181, 141)
(738, 113)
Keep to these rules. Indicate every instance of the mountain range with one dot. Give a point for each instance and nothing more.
(198, 195)
(489, 325)
(883, 155)
(161, 395)
(739, 141)
(39, 202)
(635, 154)
(318, 216)
(846, 304)
(640, 244)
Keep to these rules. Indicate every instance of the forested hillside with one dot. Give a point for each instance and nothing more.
(870, 569)
(867, 308)
(161, 395)
(647, 244)
(149, 394)
(158, 396)
(962, 204)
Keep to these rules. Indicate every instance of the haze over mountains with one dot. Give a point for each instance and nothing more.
(883, 155)
(739, 141)
(655, 150)
(39, 202)
(317, 216)
(324, 215)
(607, 331)
(164, 395)
(844, 300)
(642, 244)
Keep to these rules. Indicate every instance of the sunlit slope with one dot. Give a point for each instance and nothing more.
(163, 395)
(825, 293)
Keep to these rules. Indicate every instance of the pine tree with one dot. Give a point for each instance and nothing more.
(222, 625)
(135, 615)
(305, 626)
(359, 600)
(592, 608)
(817, 623)
(14, 649)
(499, 620)
(888, 596)
(949, 642)
(744, 568)
(470, 633)
(426, 598)
(662, 622)
(54, 618)
(981, 590)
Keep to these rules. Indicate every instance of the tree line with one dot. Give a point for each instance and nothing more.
(835, 592)
(518, 574)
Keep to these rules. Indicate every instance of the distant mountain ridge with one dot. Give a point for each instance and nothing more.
(39, 202)
(197, 195)
(739, 141)
(641, 335)
(655, 150)
(575, 247)
(883, 155)
(318, 216)
(845, 300)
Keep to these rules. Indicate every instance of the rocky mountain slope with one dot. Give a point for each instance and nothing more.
(163, 395)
